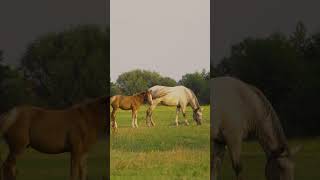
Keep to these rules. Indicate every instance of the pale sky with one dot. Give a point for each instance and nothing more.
(171, 37)
(24, 21)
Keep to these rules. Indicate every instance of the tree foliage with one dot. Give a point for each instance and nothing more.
(14, 89)
(68, 66)
(199, 84)
(286, 69)
(140, 80)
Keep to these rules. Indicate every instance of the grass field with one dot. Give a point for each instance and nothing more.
(33, 165)
(163, 151)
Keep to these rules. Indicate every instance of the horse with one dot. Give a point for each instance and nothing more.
(178, 96)
(74, 129)
(132, 103)
(239, 109)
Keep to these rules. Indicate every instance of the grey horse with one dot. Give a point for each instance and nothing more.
(239, 109)
(178, 96)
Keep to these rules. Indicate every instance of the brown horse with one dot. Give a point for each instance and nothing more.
(129, 103)
(72, 130)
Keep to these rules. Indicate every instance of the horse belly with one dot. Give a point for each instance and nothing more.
(170, 101)
(51, 141)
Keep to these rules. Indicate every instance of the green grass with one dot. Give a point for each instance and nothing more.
(307, 160)
(163, 151)
(33, 165)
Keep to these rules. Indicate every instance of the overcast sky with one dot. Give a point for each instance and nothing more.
(23, 21)
(235, 20)
(171, 37)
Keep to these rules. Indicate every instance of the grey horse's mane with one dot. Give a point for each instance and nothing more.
(270, 113)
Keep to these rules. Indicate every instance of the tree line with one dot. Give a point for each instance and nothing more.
(138, 80)
(286, 68)
(58, 69)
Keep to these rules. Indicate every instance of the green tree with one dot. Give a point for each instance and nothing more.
(140, 80)
(274, 65)
(198, 82)
(300, 39)
(68, 66)
(14, 90)
(114, 89)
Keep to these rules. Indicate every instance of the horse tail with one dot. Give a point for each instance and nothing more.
(7, 120)
(271, 113)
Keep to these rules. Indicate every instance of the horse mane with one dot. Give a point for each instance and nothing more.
(139, 93)
(271, 113)
(195, 97)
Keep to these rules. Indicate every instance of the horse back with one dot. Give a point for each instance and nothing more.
(235, 106)
(124, 102)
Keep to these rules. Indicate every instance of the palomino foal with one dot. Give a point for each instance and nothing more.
(72, 130)
(129, 103)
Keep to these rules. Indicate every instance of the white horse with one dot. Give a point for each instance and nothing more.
(239, 109)
(178, 96)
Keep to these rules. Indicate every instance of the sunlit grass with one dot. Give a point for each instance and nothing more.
(161, 152)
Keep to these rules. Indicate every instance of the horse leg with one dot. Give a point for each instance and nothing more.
(150, 112)
(83, 167)
(185, 115)
(9, 167)
(177, 116)
(133, 118)
(218, 155)
(136, 119)
(113, 118)
(17, 144)
(234, 150)
(75, 166)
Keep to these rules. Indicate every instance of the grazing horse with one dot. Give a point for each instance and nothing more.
(73, 130)
(239, 109)
(129, 103)
(178, 96)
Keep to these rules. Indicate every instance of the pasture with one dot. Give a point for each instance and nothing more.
(307, 160)
(33, 165)
(163, 151)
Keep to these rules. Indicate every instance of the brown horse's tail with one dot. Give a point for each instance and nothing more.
(7, 119)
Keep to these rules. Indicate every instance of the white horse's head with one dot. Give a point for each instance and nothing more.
(197, 115)
(148, 95)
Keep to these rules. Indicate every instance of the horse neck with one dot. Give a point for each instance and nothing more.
(193, 101)
(139, 98)
(97, 114)
(273, 141)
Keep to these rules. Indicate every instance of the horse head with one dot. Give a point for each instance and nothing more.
(148, 96)
(281, 167)
(197, 115)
